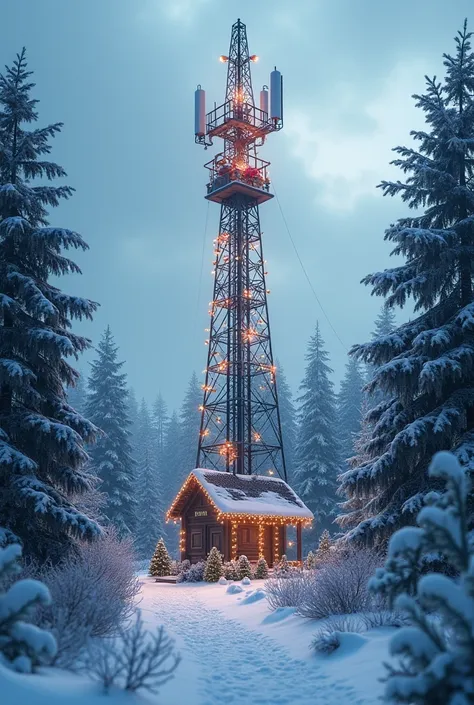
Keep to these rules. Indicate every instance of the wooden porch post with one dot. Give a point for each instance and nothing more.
(299, 543)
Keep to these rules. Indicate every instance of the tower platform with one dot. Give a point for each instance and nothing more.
(219, 193)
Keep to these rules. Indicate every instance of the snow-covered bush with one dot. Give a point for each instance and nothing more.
(244, 568)
(327, 638)
(213, 570)
(24, 646)
(340, 586)
(92, 594)
(285, 592)
(261, 569)
(161, 562)
(174, 568)
(194, 574)
(231, 570)
(183, 566)
(437, 651)
(384, 618)
(310, 562)
(134, 660)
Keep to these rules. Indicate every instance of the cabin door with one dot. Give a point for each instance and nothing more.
(215, 537)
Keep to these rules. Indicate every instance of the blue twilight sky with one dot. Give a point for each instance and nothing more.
(121, 74)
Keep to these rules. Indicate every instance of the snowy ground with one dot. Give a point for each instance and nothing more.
(234, 650)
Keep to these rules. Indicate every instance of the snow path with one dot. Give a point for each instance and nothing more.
(236, 665)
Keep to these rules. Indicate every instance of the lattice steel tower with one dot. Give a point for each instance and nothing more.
(240, 423)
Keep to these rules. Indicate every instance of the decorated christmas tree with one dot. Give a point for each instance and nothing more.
(283, 568)
(310, 562)
(261, 571)
(213, 566)
(231, 571)
(324, 547)
(161, 562)
(244, 568)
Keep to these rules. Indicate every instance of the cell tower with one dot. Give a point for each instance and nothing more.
(240, 423)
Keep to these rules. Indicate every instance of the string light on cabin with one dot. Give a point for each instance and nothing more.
(233, 534)
(261, 540)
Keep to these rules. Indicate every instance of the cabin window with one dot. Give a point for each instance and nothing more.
(196, 539)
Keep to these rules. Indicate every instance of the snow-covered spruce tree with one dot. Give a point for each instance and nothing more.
(22, 645)
(161, 562)
(349, 408)
(111, 458)
(317, 454)
(289, 427)
(150, 506)
(189, 428)
(244, 568)
(42, 438)
(437, 650)
(213, 569)
(426, 366)
(159, 422)
(134, 428)
(261, 569)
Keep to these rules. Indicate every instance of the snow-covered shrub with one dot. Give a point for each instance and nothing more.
(327, 638)
(92, 594)
(244, 568)
(385, 618)
(310, 562)
(285, 592)
(213, 570)
(340, 586)
(246, 581)
(261, 569)
(194, 574)
(24, 646)
(222, 581)
(183, 566)
(231, 570)
(134, 660)
(437, 651)
(161, 562)
(174, 568)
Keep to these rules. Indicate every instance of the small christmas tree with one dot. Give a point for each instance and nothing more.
(161, 562)
(310, 562)
(213, 566)
(324, 547)
(231, 570)
(261, 571)
(283, 568)
(244, 568)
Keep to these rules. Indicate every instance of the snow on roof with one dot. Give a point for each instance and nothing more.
(251, 494)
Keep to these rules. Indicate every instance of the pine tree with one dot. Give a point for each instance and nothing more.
(317, 457)
(134, 428)
(437, 649)
(426, 365)
(289, 427)
(161, 562)
(150, 504)
(244, 568)
(261, 570)
(190, 421)
(349, 408)
(42, 453)
(213, 569)
(159, 422)
(111, 458)
(170, 474)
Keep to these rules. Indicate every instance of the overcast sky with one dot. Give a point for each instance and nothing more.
(121, 75)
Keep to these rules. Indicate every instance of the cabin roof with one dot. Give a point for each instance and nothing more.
(243, 494)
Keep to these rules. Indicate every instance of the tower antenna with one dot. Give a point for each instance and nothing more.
(240, 418)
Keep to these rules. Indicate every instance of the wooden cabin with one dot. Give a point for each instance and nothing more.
(239, 514)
